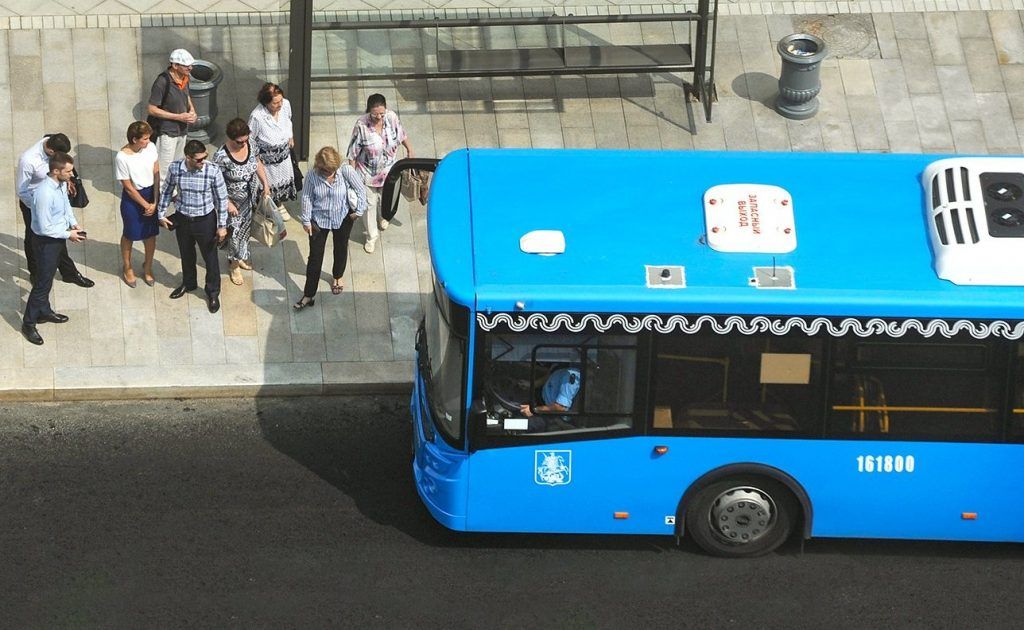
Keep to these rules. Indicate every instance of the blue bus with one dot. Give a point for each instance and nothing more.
(732, 347)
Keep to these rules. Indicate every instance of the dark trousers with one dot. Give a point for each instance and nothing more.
(46, 253)
(200, 232)
(67, 267)
(317, 244)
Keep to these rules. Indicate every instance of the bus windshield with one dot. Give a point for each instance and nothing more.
(442, 370)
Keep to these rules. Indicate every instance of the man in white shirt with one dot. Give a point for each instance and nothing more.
(53, 224)
(33, 167)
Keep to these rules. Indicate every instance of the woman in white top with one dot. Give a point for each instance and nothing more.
(270, 126)
(138, 169)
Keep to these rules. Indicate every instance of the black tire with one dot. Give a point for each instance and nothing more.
(741, 517)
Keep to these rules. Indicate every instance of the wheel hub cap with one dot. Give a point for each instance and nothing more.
(742, 515)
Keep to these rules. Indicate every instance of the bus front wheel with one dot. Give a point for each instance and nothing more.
(741, 517)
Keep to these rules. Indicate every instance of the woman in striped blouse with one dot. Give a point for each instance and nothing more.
(327, 207)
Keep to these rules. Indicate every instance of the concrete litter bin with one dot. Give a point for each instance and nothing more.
(206, 76)
(800, 80)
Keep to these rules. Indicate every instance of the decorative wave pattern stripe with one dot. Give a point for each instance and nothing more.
(751, 325)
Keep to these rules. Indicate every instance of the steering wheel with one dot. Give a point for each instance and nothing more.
(498, 387)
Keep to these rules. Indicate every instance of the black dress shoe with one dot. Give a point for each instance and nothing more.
(30, 332)
(180, 291)
(214, 304)
(80, 280)
(53, 318)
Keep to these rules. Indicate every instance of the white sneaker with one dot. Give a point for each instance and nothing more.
(384, 223)
(369, 246)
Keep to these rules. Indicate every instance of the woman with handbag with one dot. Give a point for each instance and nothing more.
(240, 163)
(270, 124)
(137, 168)
(373, 150)
(326, 210)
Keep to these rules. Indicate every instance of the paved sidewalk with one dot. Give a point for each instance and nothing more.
(933, 82)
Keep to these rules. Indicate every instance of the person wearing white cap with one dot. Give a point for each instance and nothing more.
(171, 110)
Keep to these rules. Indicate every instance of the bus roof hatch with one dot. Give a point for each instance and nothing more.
(749, 218)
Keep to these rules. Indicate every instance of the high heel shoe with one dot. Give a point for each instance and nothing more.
(303, 303)
(131, 283)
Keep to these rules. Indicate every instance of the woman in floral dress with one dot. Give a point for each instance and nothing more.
(246, 180)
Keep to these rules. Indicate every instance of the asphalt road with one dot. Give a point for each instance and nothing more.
(301, 513)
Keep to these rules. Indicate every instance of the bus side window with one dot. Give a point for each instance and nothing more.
(915, 388)
(713, 384)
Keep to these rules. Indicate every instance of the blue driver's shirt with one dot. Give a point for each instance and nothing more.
(562, 387)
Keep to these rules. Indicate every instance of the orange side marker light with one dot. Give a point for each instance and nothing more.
(660, 450)
(622, 515)
(969, 516)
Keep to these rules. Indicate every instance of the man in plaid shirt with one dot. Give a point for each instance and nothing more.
(201, 218)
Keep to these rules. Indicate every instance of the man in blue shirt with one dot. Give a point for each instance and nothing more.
(53, 225)
(200, 218)
(558, 393)
(33, 167)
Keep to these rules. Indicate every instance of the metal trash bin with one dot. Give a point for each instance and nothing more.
(800, 80)
(206, 76)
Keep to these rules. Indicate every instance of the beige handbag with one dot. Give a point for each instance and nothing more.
(411, 184)
(267, 224)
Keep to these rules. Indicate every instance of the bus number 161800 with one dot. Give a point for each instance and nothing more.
(885, 463)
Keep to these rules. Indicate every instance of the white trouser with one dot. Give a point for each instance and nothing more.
(169, 149)
(372, 214)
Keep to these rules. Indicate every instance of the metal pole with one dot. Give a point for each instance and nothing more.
(700, 51)
(300, 45)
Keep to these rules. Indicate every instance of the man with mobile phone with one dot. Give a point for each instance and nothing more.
(33, 167)
(53, 225)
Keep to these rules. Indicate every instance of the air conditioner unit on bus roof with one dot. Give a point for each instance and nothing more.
(974, 210)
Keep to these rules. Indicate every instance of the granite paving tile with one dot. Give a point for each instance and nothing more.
(957, 93)
(944, 38)
(932, 122)
(805, 135)
(982, 65)
(997, 121)
(891, 84)
(918, 67)
(885, 35)
(973, 24)
(1007, 36)
(903, 136)
(968, 136)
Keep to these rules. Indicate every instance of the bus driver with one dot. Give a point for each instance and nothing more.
(558, 392)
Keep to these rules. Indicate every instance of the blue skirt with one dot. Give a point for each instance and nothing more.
(138, 227)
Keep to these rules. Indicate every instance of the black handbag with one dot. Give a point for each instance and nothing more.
(296, 173)
(80, 199)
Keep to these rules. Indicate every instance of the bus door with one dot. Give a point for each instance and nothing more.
(555, 433)
(918, 420)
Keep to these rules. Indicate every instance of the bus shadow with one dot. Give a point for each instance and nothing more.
(363, 451)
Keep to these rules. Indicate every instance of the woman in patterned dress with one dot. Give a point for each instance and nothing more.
(271, 127)
(373, 150)
(240, 162)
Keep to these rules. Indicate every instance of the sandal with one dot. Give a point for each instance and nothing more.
(336, 289)
(303, 303)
